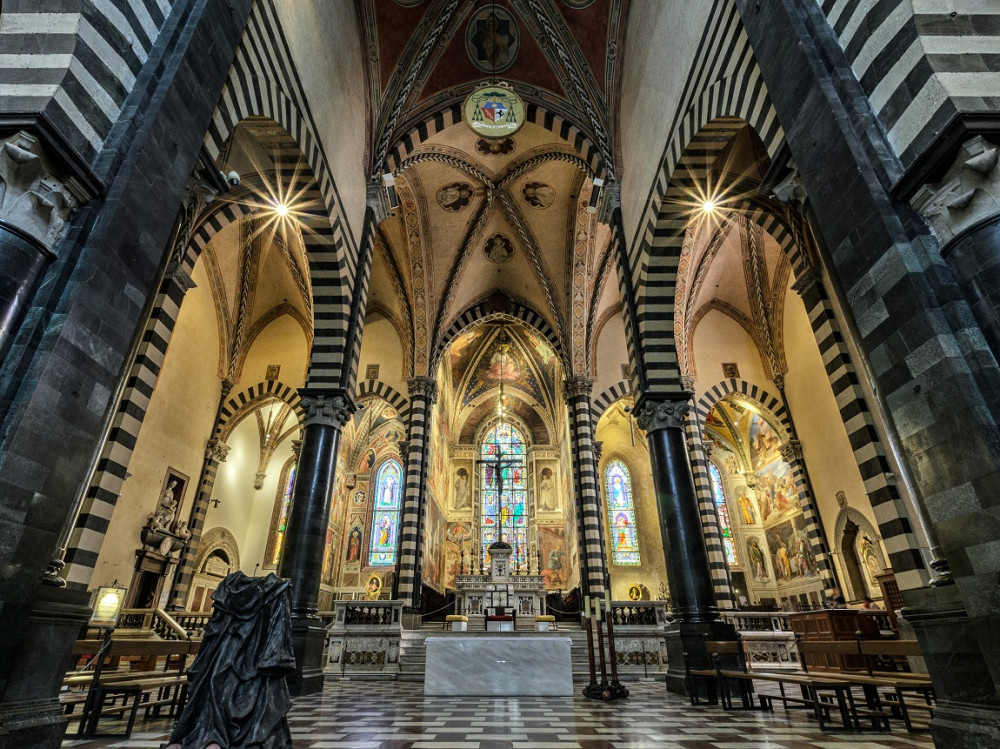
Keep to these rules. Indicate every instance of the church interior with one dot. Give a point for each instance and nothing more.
(653, 336)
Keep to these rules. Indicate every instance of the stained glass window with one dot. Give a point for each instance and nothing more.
(385, 517)
(725, 526)
(282, 524)
(621, 515)
(505, 496)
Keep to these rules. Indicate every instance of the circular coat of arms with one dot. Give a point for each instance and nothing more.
(494, 111)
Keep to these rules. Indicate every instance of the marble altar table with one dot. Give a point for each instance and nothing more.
(499, 666)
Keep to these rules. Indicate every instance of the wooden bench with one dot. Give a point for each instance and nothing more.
(124, 692)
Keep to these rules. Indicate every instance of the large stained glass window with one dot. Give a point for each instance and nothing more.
(385, 518)
(621, 515)
(505, 496)
(279, 526)
(723, 511)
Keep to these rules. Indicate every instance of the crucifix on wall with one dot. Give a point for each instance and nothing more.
(495, 467)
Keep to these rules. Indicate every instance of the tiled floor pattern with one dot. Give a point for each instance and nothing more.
(397, 716)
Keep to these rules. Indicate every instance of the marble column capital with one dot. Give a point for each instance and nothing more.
(611, 200)
(183, 280)
(791, 450)
(425, 387)
(217, 451)
(375, 199)
(598, 449)
(662, 412)
(968, 192)
(806, 280)
(296, 447)
(577, 386)
(326, 407)
(35, 198)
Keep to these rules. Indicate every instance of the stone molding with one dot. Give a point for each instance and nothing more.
(375, 199)
(327, 408)
(968, 193)
(296, 448)
(217, 451)
(578, 386)
(424, 387)
(611, 200)
(598, 449)
(665, 412)
(181, 278)
(34, 198)
(809, 278)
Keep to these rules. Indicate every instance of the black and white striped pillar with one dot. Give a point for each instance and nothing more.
(423, 393)
(593, 572)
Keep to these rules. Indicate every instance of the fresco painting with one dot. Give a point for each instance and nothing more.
(555, 559)
(433, 548)
(458, 551)
(791, 552)
(764, 442)
(776, 494)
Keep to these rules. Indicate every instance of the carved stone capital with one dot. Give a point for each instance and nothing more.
(687, 383)
(779, 382)
(790, 189)
(791, 450)
(328, 408)
(375, 200)
(968, 192)
(34, 198)
(258, 480)
(184, 281)
(217, 451)
(296, 448)
(598, 449)
(611, 199)
(751, 478)
(578, 386)
(807, 279)
(425, 387)
(666, 412)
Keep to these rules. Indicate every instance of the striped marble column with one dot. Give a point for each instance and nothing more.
(721, 580)
(216, 452)
(593, 572)
(889, 508)
(423, 393)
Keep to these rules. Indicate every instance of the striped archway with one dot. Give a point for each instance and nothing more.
(775, 407)
(369, 389)
(484, 311)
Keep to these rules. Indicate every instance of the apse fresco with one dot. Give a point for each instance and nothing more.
(764, 442)
(513, 368)
(458, 551)
(554, 558)
(791, 553)
(432, 562)
(776, 495)
(462, 350)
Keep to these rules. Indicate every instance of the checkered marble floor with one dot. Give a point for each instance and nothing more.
(366, 715)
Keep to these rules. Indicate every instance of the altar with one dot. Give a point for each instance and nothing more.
(498, 666)
(500, 593)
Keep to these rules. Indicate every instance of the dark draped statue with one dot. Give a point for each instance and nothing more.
(237, 695)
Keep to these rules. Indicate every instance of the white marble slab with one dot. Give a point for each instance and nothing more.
(500, 666)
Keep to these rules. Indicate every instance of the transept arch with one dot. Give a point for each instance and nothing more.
(370, 389)
(243, 403)
(485, 311)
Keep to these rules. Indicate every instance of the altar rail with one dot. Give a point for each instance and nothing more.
(152, 623)
(364, 637)
(640, 613)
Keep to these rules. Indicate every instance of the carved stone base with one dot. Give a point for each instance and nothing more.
(308, 637)
(967, 726)
(686, 644)
(30, 714)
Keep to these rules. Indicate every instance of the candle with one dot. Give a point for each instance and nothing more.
(607, 599)
(586, 605)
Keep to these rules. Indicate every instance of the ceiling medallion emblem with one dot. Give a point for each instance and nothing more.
(412, 3)
(578, 4)
(495, 147)
(492, 39)
(499, 249)
(538, 195)
(494, 111)
(455, 197)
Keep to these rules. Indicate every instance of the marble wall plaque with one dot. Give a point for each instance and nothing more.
(499, 666)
